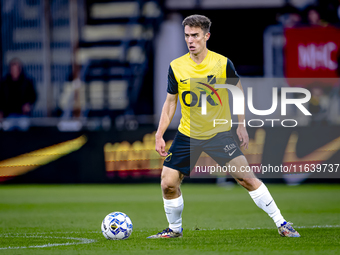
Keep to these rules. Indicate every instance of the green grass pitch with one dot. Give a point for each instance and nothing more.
(66, 219)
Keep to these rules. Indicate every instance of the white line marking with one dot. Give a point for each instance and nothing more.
(79, 241)
(87, 241)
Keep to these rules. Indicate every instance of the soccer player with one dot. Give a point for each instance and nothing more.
(196, 133)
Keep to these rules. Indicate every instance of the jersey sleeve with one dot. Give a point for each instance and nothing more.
(232, 76)
(172, 82)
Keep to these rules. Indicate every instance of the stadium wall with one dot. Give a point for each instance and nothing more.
(49, 156)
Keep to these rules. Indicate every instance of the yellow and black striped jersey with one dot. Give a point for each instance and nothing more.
(194, 82)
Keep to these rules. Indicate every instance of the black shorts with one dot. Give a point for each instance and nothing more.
(185, 151)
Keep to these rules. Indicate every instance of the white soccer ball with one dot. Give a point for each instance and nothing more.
(116, 226)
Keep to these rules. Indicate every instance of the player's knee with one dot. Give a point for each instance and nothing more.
(168, 187)
(250, 183)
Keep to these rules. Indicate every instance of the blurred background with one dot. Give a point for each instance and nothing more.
(84, 81)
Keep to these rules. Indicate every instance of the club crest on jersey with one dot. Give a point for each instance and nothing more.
(211, 79)
(168, 157)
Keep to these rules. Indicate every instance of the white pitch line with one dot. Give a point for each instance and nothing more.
(87, 241)
(81, 241)
(51, 233)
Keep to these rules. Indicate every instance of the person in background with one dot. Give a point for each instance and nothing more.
(313, 17)
(17, 97)
(289, 17)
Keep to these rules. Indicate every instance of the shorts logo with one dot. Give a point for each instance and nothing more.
(168, 158)
(229, 147)
(231, 153)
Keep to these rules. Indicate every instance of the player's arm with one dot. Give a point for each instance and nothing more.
(234, 79)
(241, 129)
(168, 112)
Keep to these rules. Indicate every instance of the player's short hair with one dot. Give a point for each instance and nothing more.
(198, 21)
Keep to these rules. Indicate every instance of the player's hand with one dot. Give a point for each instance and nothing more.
(243, 136)
(160, 147)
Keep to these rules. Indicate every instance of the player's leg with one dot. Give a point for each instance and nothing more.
(171, 180)
(261, 195)
(172, 197)
(175, 166)
(257, 190)
(247, 179)
(173, 202)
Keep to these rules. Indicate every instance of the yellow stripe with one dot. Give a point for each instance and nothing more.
(30, 161)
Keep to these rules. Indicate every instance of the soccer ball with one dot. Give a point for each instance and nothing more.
(116, 226)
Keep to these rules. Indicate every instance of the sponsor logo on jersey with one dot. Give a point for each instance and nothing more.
(230, 147)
